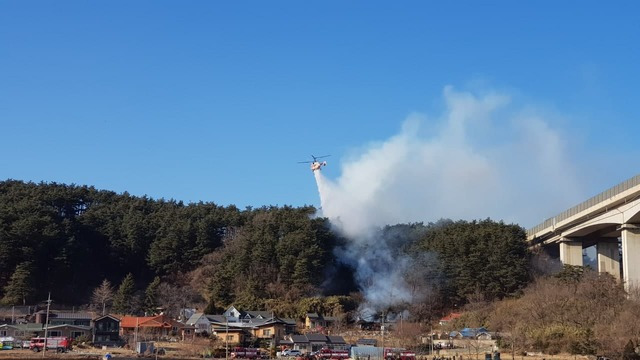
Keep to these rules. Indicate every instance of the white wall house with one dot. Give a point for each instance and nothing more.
(201, 323)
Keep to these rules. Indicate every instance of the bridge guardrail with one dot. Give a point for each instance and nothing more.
(607, 194)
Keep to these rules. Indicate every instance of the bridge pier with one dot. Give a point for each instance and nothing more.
(608, 257)
(612, 214)
(571, 252)
(630, 255)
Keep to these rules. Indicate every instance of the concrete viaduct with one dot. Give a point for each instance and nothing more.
(607, 220)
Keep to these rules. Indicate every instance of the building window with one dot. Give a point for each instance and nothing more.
(266, 332)
(3, 332)
(54, 333)
(76, 334)
(229, 337)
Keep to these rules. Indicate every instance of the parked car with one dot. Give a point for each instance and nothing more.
(291, 352)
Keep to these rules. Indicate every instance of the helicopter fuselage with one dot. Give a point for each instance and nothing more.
(316, 165)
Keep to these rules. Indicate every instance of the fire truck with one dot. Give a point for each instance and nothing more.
(59, 343)
(332, 354)
(399, 354)
(245, 353)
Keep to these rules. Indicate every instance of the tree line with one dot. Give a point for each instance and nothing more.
(147, 253)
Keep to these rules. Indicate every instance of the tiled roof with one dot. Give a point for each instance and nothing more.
(53, 327)
(160, 321)
(299, 339)
(312, 315)
(289, 321)
(132, 321)
(469, 332)
(269, 322)
(372, 342)
(67, 315)
(257, 321)
(217, 318)
(24, 327)
(451, 317)
(107, 316)
(194, 318)
(223, 329)
(316, 337)
(336, 340)
(255, 314)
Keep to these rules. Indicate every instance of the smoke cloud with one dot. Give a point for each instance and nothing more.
(484, 156)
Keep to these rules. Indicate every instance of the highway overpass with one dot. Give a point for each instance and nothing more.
(609, 220)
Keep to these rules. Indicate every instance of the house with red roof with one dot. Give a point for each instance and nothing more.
(449, 318)
(154, 327)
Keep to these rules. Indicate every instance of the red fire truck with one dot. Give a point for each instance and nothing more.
(399, 354)
(245, 353)
(59, 343)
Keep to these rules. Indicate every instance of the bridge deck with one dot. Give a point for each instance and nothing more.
(629, 187)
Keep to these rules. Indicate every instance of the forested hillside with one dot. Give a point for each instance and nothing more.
(70, 239)
(485, 258)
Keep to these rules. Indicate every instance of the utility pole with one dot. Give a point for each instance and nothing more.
(226, 339)
(135, 334)
(382, 328)
(431, 340)
(46, 325)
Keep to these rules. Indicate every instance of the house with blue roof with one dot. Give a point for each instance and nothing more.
(471, 333)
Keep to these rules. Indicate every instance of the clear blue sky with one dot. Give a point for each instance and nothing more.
(217, 101)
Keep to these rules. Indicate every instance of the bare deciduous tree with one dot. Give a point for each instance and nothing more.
(102, 296)
(173, 298)
(508, 322)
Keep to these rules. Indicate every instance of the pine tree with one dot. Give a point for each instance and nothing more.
(123, 301)
(151, 296)
(19, 287)
(301, 273)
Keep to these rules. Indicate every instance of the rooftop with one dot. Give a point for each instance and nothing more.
(316, 337)
(68, 314)
(371, 342)
(338, 340)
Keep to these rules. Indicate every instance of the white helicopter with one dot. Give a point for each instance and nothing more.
(315, 164)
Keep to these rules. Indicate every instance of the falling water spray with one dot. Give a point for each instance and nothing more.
(379, 274)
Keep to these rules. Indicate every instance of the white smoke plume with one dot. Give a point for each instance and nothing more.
(484, 157)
